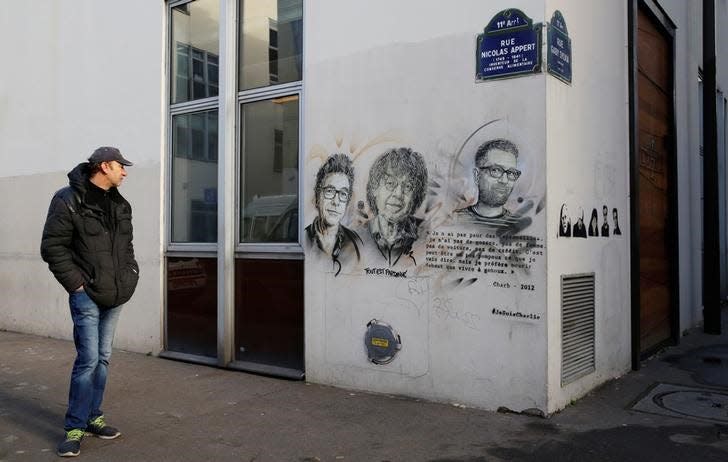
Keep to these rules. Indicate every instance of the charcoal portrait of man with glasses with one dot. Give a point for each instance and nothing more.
(334, 183)
(495, 175)
(395, 190)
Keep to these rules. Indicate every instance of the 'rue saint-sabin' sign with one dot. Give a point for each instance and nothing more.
(559, 48)
(509, 45)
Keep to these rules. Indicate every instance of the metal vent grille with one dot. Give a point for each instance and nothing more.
(577, 326)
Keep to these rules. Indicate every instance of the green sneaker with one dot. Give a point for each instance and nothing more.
(71, 446)
(97, 427)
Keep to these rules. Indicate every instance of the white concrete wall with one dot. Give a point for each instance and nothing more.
(689, 57)
(80, 74)
(588, 136)
(688, 17)
(588, 167)
(380, 75)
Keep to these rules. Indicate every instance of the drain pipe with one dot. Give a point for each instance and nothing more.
(711, 243)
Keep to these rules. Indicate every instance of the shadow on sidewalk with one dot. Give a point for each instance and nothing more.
(30, 414)
(634, 442)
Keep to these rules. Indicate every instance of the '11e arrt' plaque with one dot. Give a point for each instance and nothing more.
(510, 45)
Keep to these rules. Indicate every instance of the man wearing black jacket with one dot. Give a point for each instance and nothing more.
(87, 243)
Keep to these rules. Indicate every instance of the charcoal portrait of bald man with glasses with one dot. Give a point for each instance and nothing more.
(495, 173)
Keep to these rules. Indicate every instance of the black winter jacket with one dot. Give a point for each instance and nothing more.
(82, 249)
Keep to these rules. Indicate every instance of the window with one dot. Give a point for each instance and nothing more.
(194, 128)
(192, 306)
(194, 177)
(262, 330)
(195, 57)
(270, 43)
(269, 170)
(191, 299)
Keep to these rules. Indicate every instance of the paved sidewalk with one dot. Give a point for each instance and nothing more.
(173, 411)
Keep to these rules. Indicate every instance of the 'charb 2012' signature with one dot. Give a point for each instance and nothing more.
(444, 310)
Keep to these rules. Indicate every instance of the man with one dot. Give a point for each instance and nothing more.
(87, 243)
(617, 231)
(579, 228)
(495, 174)
(395, 190)
(605, 225)
(564, 222)
(334, 183)
(594, 224)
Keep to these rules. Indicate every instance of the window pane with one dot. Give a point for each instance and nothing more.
(269, 312)
(192, 305)
(269, 171)
(195, 39)
(194, 177)
(212, 135)
(270, 32)
(212, 72)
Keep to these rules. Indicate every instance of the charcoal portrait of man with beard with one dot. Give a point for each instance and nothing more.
(495, 174)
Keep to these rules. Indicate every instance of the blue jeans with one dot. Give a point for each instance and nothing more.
(93, 334)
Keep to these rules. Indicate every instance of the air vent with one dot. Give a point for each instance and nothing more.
(577, 326)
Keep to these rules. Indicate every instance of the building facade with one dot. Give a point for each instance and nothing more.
(490, 203)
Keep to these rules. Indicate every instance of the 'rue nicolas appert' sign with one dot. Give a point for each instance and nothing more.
(509, 45)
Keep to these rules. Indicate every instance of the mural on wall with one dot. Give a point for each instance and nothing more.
(495, 174)
(452, 224)
(564, 222)
(579, 227)
(332, 194)
(462, 220)
(617, 231)
(486, 232)
(594, 224)
(395, 190)
(594, 230)
(491, 241)
(605, 223)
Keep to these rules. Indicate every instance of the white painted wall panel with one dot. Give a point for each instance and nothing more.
(404, 78)
(83, 74)
(588, 168)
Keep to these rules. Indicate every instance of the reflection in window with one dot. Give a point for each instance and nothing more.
(269, 171)
(194, 177)
(273, 53)
(195, 56)
(192, 305)
(269, 312)
(270, 42)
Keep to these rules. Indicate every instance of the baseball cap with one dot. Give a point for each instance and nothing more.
(107, 154)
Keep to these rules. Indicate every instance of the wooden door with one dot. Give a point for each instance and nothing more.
(654, 89)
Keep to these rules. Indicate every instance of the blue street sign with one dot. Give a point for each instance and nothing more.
(510, 45)
(559, 48)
